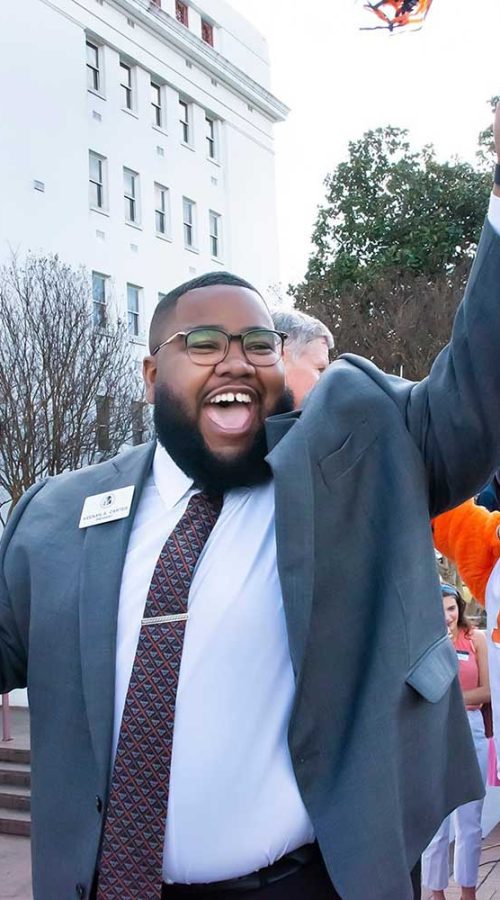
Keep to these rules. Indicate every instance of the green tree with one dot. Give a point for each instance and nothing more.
(70, 391)
(396, 226)
(388, 207)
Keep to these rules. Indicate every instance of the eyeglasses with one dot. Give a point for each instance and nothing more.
(210, 346)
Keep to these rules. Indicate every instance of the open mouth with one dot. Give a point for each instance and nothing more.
(231, 410)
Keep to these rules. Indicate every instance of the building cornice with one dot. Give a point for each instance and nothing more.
(201, 53)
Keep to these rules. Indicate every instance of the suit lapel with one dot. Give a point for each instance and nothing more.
(103, 558)
(290, 462)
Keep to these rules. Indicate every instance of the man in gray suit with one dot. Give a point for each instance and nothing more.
(287, 560)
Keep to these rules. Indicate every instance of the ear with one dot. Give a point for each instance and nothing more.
(149, 372)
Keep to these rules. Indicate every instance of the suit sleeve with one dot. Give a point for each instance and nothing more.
(14, 611)
(453, 413)
(468, 535)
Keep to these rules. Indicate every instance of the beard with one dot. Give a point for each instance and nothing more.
(183, 441)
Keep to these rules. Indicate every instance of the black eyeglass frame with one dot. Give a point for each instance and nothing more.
(230, 337)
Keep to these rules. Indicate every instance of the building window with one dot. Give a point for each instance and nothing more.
(131, 196)
(97, 186)
(99, 299)
(133, 309)
(211, 137)
(156, 104)
(138, 421)
(215, 234)
(181, 13)
(184, 119)
(207, 32)
(103, 421)
(161, 209)
(126, 86)
(93, 67)
(188, 213)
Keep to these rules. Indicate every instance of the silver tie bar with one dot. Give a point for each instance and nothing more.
(159, 620)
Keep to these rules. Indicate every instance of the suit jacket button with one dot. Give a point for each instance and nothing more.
(98, 804)
(80, 891)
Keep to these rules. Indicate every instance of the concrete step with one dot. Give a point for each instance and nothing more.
(15, 774)
(17, 798)
(14, 754)
(14, 822)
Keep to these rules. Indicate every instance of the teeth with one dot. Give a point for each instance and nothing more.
(231, 398)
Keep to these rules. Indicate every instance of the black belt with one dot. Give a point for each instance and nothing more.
(286, 865)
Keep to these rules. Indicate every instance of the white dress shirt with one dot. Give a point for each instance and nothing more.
(234, 805)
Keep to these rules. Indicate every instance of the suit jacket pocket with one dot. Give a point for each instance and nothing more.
(347, 454)
(434, 671)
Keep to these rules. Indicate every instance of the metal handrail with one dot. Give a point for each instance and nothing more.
(6, 732)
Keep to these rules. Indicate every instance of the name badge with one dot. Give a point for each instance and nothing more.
(106, 507)
(462, 655)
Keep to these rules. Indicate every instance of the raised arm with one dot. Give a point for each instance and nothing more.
(453, 413)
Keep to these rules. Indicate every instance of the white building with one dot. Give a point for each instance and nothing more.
(136, 140)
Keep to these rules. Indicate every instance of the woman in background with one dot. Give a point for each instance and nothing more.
(472, 653)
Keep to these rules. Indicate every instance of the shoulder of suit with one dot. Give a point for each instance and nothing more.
(354, 383)
(88, 473)
(87, 480)
(351, 367)
(56, 503)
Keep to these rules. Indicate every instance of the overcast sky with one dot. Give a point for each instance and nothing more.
(340, 81)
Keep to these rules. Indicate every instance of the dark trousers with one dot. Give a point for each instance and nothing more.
(309, 883)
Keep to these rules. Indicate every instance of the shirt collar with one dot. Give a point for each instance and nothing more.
(171, 482)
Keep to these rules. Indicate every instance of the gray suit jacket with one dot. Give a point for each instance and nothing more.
(378, 736)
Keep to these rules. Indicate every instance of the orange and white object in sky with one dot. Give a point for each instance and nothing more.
(397, 14)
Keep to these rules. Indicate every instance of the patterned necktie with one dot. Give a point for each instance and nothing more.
(132, 848)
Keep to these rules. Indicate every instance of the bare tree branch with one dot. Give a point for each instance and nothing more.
(53, 365)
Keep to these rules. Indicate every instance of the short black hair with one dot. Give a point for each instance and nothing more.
(169, 301)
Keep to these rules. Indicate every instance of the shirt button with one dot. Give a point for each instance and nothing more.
(80, 891)
(98, 804)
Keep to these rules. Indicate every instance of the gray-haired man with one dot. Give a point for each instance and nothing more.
(306, 351)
